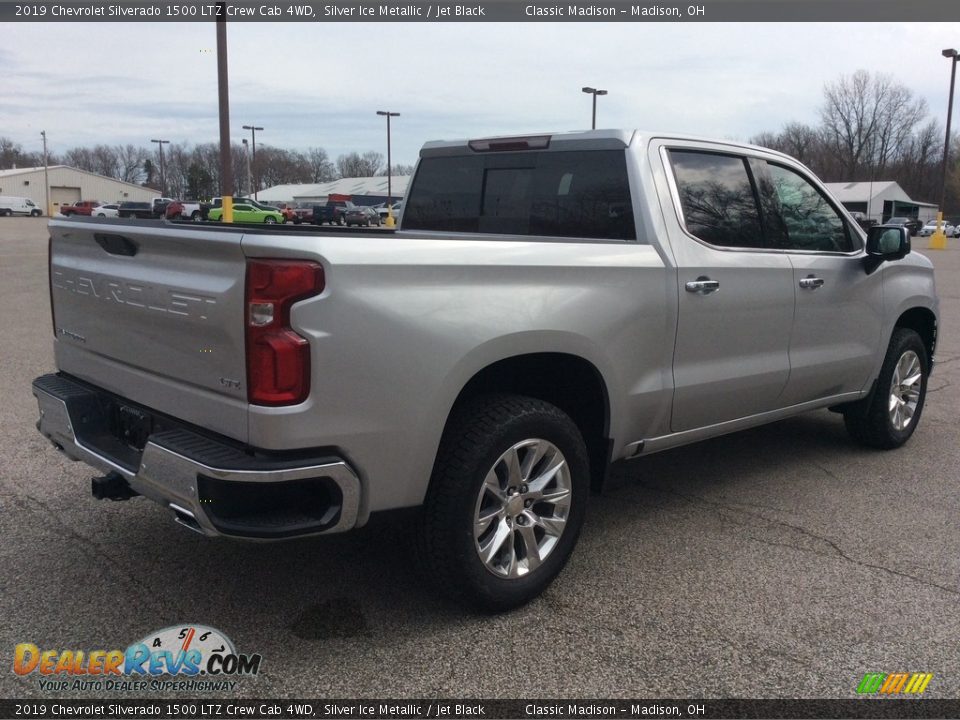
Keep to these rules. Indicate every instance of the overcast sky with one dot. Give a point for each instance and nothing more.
(320, 84)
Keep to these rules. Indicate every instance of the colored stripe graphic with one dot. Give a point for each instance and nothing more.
(894, 683)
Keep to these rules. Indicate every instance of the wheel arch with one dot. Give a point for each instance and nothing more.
(922, 321)
(568, 381)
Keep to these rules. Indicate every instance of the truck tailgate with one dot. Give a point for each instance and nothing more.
(153, 314)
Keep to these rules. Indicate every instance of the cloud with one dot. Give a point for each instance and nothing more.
(319, 84)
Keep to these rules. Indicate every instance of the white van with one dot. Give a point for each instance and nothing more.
(19, 205)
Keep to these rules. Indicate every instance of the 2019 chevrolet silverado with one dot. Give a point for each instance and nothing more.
(550, 305)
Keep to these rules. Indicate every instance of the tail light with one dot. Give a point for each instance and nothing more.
(278, 359)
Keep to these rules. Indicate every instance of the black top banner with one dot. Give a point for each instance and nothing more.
(486, 11)
(207, 708)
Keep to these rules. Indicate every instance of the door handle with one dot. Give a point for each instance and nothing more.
(702, 285)
(811, 283)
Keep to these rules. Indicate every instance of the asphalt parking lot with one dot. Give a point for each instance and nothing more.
(783, 561)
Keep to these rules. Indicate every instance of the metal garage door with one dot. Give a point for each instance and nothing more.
(63, 196)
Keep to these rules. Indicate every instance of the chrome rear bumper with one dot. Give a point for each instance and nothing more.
(210, 486)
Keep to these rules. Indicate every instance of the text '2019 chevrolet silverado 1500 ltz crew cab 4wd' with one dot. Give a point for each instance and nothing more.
(550, 304)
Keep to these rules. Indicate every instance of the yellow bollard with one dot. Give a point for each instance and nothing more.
(228, 209)
(938, 241)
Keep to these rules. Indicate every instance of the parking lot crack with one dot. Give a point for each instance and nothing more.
(27, 502)
(837, 551)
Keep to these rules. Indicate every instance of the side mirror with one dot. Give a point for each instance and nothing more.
(886, 242)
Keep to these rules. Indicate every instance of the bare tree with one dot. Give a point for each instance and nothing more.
(399, 170)
(866, 121)
(356, 165)
(321, 169)
(130, 160)
(12, 154)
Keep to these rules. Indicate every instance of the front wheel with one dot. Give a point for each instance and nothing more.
(270, 220)
(35, 213)
(506, 501)
(889, 417)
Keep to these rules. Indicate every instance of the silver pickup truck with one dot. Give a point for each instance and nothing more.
(550, 305)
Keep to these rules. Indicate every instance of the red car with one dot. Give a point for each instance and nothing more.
(84, 207)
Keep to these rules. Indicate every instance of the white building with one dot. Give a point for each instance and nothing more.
(69, 185)
(880, 200)
(365, 190)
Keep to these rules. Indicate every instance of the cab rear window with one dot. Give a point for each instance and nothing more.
(576, 194)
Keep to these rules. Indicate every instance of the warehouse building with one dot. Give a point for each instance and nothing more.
(69, 185)
(363, 191)
(880, 200)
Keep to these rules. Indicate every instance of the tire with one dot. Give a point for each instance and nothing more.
(480, 437)
(195, 216)
(35, 213)
(270, 220)
(101, 215)
(887, 419)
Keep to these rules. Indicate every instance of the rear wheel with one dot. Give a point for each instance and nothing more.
(888, 418)
(506, 502)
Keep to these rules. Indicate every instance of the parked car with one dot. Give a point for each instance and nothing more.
(136, 209)
(361, 215)
(863, 221)
(286, 209)
(303, 212)
(334, 212)
(183, 210)
(12, 205)
(104, 211)
(217, 202)
(930, 227)
(912, 224)
(243, 213)
(83, 207)
(383, 211)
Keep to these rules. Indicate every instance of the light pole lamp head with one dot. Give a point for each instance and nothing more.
(588, 90)
(601, 92)
(387, 113)
(949, 53)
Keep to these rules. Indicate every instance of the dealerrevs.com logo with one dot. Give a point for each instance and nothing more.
(180, 650)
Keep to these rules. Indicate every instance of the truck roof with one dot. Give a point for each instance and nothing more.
(576, 140)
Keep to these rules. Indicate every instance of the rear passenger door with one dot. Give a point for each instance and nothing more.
(837, 326)
(736, 297)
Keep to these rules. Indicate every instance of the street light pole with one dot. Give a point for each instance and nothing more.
(594, 92)
(939, 239)
(246, 153)
(223, 96)
(163, 177)
(256, 185)
(46, 174)
(390, 220)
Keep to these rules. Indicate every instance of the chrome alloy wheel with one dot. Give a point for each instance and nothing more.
(522, 508)
(905, 390)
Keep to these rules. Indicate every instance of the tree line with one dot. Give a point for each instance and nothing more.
(193, 171)
(874, 128)
(871, 127)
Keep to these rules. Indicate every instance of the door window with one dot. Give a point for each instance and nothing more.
(719, 205)
(806, 219)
